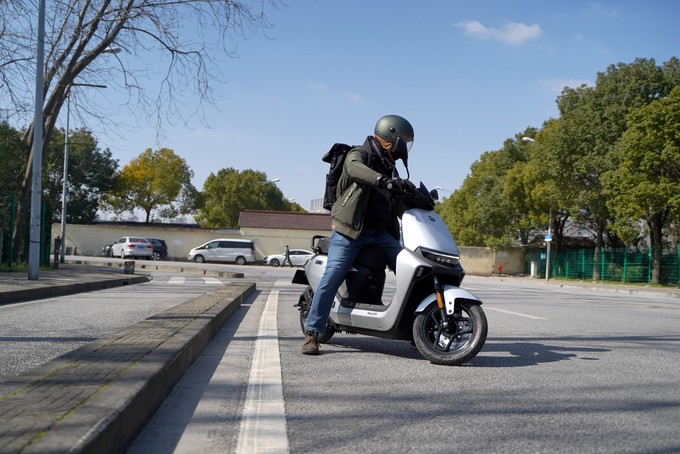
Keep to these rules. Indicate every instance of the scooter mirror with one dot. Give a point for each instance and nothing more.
(434, 194)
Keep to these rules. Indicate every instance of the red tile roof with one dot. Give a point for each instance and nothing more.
(284, 220)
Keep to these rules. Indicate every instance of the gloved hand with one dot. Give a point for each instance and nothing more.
(396, 184)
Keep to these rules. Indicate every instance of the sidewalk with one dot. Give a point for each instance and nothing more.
(97, 397)
(77, 276)
(68, 279)
(613, 287)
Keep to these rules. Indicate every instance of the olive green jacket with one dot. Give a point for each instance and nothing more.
(353, 191)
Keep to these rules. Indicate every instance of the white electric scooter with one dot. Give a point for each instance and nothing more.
(446, 322)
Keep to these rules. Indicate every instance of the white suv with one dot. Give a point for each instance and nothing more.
(224, 250)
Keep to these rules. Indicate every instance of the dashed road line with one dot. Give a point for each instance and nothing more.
(518, 314)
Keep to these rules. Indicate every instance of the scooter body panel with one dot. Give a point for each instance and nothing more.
(379, 318)
(427, 229)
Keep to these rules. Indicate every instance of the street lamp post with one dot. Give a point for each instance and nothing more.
(548, 237)
(64, 192)
(439, 188)
(275, 180)
(548, 241)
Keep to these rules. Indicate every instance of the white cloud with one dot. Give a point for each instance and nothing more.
(316, 86)
(599, 9)
(510, 33)
(352, 96)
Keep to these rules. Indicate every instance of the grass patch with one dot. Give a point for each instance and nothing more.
(14, 267)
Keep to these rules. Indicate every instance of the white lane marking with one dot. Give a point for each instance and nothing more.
(176, 280)
(263, 423)
(212, 281)
(519, 314)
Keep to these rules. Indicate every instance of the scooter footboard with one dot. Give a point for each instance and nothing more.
(452, 295)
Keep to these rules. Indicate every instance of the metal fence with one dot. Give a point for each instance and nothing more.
(610, 265)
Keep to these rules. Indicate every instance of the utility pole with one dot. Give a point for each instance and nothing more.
(36, 186)
(548, 240)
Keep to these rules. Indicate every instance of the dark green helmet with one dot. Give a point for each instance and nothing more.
(391, 127)
(397, 131)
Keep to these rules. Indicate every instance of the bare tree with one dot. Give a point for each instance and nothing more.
(186, 36)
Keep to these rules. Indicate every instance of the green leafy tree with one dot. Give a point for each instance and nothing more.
(12, 152)
(90, 175)
(646, 182)
(157, 181)
(582, 146)
(481, 213)
(544, 179)
(229, 191)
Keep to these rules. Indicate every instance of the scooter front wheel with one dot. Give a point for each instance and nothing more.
(453, 341)
(304, 305)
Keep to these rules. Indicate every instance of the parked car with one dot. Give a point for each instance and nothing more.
(224, 250)
(130, 246)
(298, 257)
(106, 250)
(160, 249)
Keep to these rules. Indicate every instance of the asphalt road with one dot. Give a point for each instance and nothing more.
(563, 370)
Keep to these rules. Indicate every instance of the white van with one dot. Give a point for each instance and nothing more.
(224, 250)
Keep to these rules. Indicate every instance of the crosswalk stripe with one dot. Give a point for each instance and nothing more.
(176, 280)
(212, 281)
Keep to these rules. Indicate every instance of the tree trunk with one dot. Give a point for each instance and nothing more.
(597, 258)
(655, 223)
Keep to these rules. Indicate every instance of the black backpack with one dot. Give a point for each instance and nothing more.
(336, 158)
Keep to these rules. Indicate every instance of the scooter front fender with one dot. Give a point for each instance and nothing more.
(452, 295)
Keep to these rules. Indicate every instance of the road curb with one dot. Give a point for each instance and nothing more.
(158, 266)
(50, 291)
(99, 397)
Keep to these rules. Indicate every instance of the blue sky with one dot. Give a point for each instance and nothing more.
(467, 74)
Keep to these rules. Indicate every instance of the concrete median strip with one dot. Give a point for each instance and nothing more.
(98, 397)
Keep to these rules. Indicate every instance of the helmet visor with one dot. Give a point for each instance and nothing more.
(402, 147)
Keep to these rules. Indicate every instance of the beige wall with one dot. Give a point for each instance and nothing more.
(482, 261)
(89, 239)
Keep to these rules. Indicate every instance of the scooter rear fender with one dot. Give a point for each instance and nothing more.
(452, 295)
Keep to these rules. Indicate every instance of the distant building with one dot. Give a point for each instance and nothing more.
(316, 206)
(273, 230)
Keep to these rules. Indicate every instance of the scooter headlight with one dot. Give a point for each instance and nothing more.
(440, 258)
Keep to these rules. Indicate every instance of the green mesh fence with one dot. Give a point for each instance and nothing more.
(613, 265)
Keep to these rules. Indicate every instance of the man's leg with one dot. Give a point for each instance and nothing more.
(390, 245)
(341, 254)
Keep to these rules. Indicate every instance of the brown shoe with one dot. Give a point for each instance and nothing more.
(311, 344)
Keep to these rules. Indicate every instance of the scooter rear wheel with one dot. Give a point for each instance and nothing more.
(305, 304)
(458, 343)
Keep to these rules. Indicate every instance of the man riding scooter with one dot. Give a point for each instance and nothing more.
(362, 214)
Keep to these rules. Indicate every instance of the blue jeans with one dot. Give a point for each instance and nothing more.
(341, 253)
